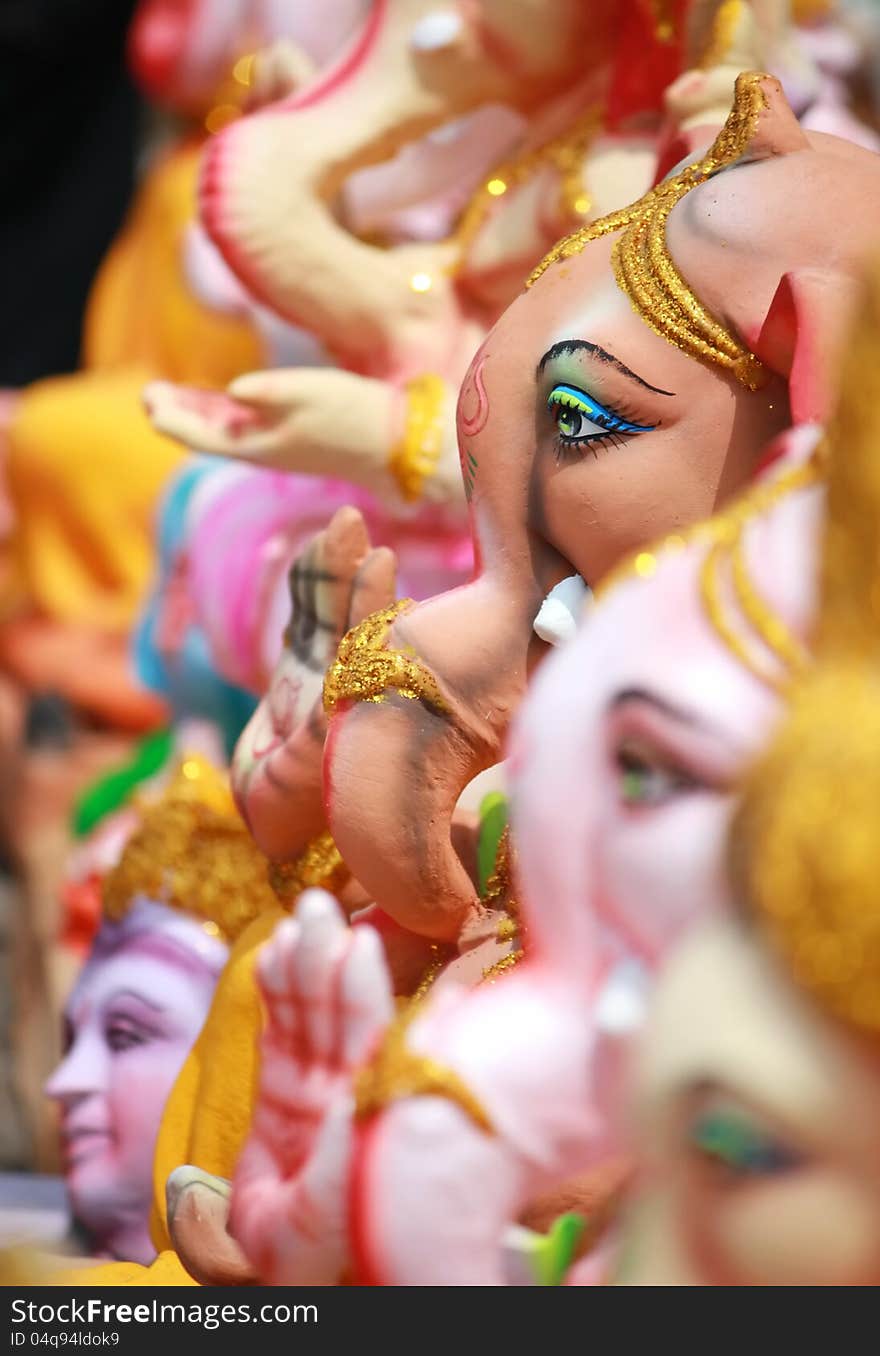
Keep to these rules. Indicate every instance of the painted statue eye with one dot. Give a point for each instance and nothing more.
(646, 777)
(580, 419)
(727, 1138)
(122, 1033)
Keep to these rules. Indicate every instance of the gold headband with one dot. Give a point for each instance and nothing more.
(643, 266)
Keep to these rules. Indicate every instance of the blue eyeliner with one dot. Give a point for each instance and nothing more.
(580, 402)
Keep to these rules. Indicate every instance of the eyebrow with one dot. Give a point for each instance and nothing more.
(638, 694)
(601, 355)
(140, 998)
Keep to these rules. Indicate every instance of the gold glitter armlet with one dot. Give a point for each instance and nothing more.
(414, 459)
(365, 670)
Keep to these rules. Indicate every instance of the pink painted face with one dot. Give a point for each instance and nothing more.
(129, 1024)
(629, 751)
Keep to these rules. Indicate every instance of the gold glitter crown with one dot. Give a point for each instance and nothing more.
(193, 852)
(805, 847)
(643, 266)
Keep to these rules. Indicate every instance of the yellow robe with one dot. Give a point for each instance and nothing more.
(84, 467)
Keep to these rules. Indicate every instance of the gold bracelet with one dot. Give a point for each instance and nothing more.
(414, 459)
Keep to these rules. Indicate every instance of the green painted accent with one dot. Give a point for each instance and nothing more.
(550, 1255)
(729, 1137)
(556, 1253)
(113, 790)
(494, 812)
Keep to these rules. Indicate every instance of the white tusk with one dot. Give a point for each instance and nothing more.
(561, 611)
(436, 30)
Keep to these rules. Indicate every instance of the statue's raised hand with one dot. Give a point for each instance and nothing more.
(328, 999)
(337, 581)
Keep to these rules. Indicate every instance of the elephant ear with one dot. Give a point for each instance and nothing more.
(803, 335)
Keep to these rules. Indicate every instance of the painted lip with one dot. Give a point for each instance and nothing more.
(81, 1142)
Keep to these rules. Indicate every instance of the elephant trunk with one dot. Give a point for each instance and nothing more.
(407, 734)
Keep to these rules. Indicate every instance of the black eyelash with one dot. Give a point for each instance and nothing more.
(568, 448)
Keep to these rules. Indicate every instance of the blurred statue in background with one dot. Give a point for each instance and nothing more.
(186, 883)
(756, 1093)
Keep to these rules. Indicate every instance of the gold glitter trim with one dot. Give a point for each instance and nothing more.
(492, 972)
(396, 1072)
(755, 631)
(440, 956)
(507, 929)
(415, 458)
(192, 852)
(499, 894)
(365, 671)
(499, 886)
(320, 865)
(755, 614)
(643, 266)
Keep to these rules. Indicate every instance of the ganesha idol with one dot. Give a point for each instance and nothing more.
(186, 882)
(283, 198)
(746, 216)
(756, 1092)
(627, 393)
(84, 469)
(280, 191)
(628, 766)
(625, 767)
(411, 65)
(314, 419)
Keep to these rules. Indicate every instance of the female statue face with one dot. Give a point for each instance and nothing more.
(136, 1009)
